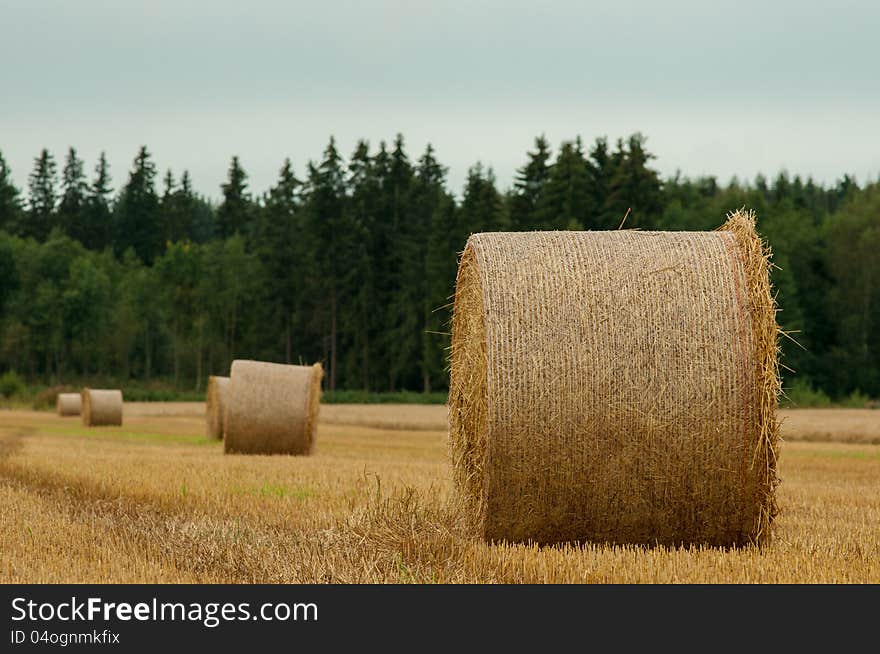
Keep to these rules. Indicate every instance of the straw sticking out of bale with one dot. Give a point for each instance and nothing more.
(616, 386)
(68, 404)
(214, 405)
(272, 408)
(101, 407)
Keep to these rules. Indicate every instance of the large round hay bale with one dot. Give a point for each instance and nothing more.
(272, 408)
(214, 405)
(68, 404)
(101, 407)
(616, 386)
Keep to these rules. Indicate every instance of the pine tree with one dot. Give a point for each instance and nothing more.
(529, 186)
(43, 197)
(139, 220)
(236, 211)
(74, 197)
(10, 204)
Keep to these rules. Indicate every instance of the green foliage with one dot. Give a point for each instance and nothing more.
(235, 213)
(354, 265)
(366, 397)
(137, 211)
(856, 400)
(801, 395)
(43, 196)
(10, 204)
(45, 399)
(11, 384)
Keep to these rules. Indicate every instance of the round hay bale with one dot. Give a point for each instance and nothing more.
(68, 404)
(272, 408)
(214, 405)
(616, 386)
(101, 407)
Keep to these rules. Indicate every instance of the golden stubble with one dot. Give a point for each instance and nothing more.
(156, 501)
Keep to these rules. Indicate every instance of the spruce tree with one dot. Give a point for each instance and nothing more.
(332, 241)
(278, 242)
(74, 197)
(169, 209)
(431, 284)
(236, 211)
(139, 220)
(360, 364)
(634, 187)
(601, 167)
(10, 204)
(529, 186)
(187, 211)
(566, 202)
(482, 208)
(97, 230)
(43, 197)
(404, 264)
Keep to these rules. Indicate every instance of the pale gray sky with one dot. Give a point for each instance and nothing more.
(724, 88)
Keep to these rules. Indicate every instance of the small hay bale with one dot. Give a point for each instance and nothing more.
(101, 407)
(272, 408)
(214, 405)
(616, 386)
(68, 404)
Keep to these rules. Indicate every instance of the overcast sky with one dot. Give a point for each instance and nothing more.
(723, 88)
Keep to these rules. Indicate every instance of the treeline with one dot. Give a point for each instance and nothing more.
(353, 263)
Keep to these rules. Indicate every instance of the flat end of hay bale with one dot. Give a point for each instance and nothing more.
(68, 404)
(215, 412)
(271, 408)
(101, 407)
(314, 404)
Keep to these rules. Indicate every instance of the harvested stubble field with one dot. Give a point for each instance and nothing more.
(156, 501)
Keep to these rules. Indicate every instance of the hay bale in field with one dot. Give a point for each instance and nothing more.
(214, 405)
(272, 408)
(616, 386)
(68, 404)
(101, 407)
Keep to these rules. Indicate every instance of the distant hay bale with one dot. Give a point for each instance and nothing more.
(214, 405)
(616, 386)
(101, 407)
(68, 404)
(272, 408)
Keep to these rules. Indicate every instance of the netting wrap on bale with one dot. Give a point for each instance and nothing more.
(272, 408)
(215, 405)
(616, 386)
(101, 407)
(68, 404)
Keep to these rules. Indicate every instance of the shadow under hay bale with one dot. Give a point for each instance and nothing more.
(271, 408)
(101, 407)
(616, 386)
(68, 404)
(215, 405)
